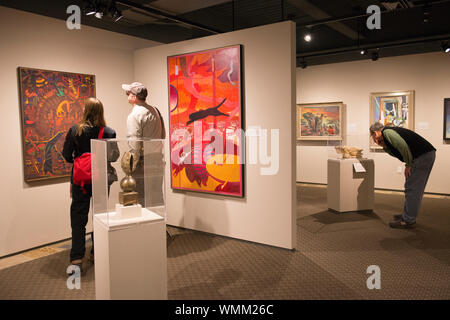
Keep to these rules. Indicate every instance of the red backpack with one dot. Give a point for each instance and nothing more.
(82, 173)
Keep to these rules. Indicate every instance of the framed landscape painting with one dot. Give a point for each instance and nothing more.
(205, 118)
(320, 121)
(447, 119)
(395, 108)
(51, 102)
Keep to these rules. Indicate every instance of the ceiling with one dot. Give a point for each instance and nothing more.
(338, 27)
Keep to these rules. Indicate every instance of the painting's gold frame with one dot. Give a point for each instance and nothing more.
(321, 104)
(411, 101)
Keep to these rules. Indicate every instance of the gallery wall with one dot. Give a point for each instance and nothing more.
(352, 83)
(38, 213)
(267, 212)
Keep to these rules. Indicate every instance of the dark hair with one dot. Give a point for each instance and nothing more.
(377, 126)
(92, 116)
(142, 95)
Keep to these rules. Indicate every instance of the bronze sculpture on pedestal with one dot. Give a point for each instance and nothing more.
(128, 196)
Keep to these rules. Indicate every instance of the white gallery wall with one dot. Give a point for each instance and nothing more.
(267, 213)
(352, 82)
(38, 213)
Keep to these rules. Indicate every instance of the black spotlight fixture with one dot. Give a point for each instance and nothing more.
(91, 11)
(426, 12)
(303, 63)
(90, 8)
(445, 47)
(117, 15)
(101, 8)
(375, 55)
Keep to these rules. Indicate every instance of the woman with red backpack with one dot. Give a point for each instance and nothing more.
(77, 148)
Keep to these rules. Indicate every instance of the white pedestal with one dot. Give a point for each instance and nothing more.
(130, 257)
(127, 212)
(349, 190)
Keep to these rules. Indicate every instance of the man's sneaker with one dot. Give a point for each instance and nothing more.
(401, 224)
(78, 263)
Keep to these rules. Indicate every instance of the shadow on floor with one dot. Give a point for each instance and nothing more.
(185, 242)
(55, 266)
(330, 217)
(428, 240)
(214, 287)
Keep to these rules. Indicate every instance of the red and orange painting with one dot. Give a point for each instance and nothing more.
(206, 121)
(51, 102)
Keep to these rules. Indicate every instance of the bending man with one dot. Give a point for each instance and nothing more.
(418, 155)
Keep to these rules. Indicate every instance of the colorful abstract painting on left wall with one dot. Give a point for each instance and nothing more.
(51, 102)
(206, 121)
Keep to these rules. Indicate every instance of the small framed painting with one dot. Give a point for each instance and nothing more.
(394, 108)
(320, 121)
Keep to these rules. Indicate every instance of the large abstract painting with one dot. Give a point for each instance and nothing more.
(320, 121)
(51, 102)
(206, 121)
(394, 108)
(447, 119)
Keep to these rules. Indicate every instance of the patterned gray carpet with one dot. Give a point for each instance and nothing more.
(332, 256)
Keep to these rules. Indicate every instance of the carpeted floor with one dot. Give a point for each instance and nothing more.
(332, 256)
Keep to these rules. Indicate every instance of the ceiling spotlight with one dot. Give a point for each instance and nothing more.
(363, 52)
(307, 37)
(103, 8)
(90, 7)
(90, 10)
(445, 47)
(117, 16)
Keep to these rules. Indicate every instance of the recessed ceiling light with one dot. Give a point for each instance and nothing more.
(307, 37)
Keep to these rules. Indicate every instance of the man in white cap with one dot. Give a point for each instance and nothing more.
(145, 121)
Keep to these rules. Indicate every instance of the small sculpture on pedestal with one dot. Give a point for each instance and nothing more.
(349, 152)
(128, 184)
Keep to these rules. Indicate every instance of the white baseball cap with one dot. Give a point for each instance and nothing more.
(135, 88)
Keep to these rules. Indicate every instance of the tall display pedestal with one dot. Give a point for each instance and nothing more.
(130, 257)
(348, 189)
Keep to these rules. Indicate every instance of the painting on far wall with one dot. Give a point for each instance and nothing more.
(51, 102)
(447, 119)
(205, 108)
(395, 108)
(320, 121)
